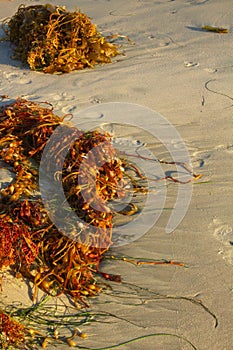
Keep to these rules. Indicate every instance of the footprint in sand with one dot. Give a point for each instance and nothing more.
(226, 148)
(201, 157)
(63, 102)
(229, 149)
(189, 64)
(17, 78)
(96, 99)
(69, 109)
(210, 70)
(223, 232)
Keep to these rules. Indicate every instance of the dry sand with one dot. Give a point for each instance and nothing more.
(166, 70)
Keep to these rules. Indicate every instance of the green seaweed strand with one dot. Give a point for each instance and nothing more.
(143, 337)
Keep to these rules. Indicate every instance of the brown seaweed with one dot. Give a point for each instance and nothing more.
(51, 39)
(55, 262)
(219, 30)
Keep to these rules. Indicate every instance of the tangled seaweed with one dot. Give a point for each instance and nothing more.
(31, 244)
(51, 39)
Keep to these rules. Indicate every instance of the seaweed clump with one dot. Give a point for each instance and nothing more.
(30, 243)
(51, 39)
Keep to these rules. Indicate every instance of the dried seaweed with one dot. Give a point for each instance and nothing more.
(219, 30)
(51, 39)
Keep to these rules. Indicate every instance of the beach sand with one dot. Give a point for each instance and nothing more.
(185, 74)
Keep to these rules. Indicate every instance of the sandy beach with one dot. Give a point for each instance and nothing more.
(185, 74)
